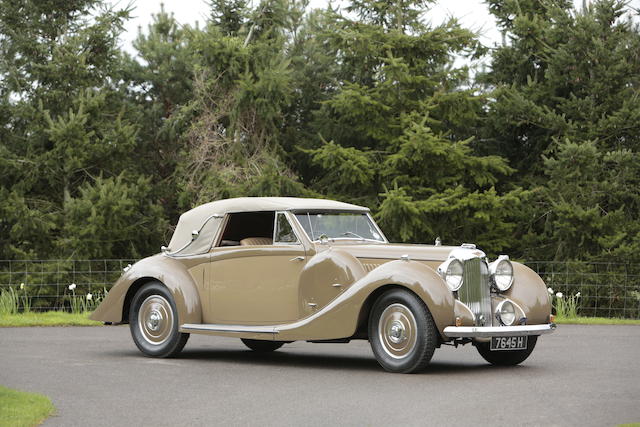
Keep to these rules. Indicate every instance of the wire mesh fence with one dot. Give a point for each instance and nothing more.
(605, 289)
(69, 285)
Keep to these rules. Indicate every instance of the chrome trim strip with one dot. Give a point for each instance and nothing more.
(389, 258)
(287, 216)
(497, 331)
(377, 228)
(189, 327)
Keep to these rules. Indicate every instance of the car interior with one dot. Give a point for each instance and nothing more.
(248, 229)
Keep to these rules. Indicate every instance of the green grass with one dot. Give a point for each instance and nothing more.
(596, 321)
(60, 318)
(50, 318)
(18, 408)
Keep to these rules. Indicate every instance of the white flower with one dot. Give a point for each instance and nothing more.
(89, 296)
(72, 286)
(578, 295)
(21, 285)
(559, 294)
(550, 291)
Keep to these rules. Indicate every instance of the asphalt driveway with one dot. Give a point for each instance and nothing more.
(580, 375)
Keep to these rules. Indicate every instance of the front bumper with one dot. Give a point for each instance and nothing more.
(497, 331)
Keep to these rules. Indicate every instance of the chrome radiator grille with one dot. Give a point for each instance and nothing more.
(475, 291)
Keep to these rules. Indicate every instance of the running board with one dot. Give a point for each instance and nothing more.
(193, 327)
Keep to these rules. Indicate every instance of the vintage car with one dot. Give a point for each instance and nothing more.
(271, 271)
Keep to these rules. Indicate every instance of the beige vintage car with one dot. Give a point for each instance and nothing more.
(271, 271)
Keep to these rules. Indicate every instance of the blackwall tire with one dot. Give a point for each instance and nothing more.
(402, 333)
(153, 321)
(506, 357)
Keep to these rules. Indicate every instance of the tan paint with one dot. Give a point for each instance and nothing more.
(254, 284)
(464, 313)
(339, 318)
(384, 252)
(263, 285)
(172, 272)
(530, 293)
(325, 276)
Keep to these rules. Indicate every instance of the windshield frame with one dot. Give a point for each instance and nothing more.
(345, 238)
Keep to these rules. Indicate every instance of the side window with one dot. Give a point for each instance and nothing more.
(248, 229)
(284, 233)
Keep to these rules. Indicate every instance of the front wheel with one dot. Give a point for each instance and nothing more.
(506, 357)
(402, 333)
(153, 322)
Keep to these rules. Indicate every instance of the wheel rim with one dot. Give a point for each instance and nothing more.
(397, 330)
(155, 319)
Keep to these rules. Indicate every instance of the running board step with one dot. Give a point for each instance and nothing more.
(194, 327)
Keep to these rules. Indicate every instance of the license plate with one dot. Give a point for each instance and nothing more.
(508, 343)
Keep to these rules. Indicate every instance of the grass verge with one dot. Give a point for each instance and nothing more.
(50, 318)
(595, 321)
(18, 408)
(61, 318)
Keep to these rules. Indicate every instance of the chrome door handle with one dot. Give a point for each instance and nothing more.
(337, 285)
(298, 258)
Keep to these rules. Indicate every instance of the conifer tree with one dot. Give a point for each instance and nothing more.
(391, 127)
(566, 113)
(65, 121)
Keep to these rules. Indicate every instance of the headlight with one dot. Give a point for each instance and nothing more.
(502, 272)
(451, 272)
(506, 313)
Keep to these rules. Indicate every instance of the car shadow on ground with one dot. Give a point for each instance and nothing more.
(320, 361)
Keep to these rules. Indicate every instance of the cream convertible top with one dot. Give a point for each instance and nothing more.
(196, 217)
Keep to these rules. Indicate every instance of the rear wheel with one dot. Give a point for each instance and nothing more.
(153, 322)
(506, 357)
(262, 346)
(402, 333)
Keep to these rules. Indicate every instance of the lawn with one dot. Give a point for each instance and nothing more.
(595, 321)
(49, 318)
(18, 408)
(60, 318)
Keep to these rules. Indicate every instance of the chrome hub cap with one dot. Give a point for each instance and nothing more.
(397, 331)
(155, 319)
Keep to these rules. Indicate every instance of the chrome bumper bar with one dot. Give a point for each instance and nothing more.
(497, 331)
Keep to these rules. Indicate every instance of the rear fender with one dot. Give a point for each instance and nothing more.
(166, 270)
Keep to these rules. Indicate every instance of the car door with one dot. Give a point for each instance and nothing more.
(256, 283)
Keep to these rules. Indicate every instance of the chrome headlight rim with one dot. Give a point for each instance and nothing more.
(501, 313)
(446, 270)
(493, 270)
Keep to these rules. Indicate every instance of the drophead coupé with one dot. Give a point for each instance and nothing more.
(271, 271)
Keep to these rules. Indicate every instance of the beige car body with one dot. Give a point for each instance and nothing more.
(310, 290)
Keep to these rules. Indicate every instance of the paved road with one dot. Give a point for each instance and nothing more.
(581, 375)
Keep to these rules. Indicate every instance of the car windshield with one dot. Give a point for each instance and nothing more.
(339, 225)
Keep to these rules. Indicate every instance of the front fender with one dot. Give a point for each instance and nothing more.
(170, 272)
(530, 292)
(339, 318)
